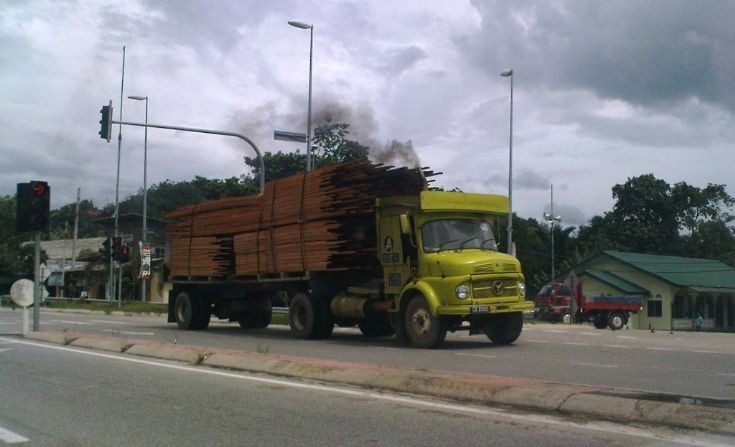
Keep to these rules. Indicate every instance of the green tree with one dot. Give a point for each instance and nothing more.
(644, 215)
(696, 205)
(332, 139)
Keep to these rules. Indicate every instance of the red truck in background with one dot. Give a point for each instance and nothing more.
(557, 302)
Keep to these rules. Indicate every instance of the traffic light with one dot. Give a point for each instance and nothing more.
(105, 250)
(32, 206)
(106, 122)
(124, 254)
(116, 248)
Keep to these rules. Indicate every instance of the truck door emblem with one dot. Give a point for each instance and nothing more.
(388, 243)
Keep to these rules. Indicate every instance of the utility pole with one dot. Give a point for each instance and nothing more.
(63, 258)
(117, 194)
(76, 233)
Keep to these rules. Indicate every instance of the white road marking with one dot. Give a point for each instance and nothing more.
(596, 334)
(726, 374)
(122, 323)
(8, 323)
(485, 356)
(114, 331)
(598, 426)
(9, 437)
(596, 365)
(572, 343)
(707, 352)
(659, 349)
(617, 346)
(555, 331)
(81, 323)
(5, 349)
(536, 341)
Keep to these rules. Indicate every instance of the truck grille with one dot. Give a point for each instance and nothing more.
(494, 288)
(506, 267)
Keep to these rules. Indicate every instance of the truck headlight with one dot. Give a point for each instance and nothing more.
(521, 288)
(462, 292)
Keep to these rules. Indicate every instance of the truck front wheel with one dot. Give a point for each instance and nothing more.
(309, 317)
(422, 329)
(505, 329)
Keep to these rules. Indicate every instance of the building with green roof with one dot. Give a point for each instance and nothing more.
(675, 289)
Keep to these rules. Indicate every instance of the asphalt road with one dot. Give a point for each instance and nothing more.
(690, 364)
(53, 395)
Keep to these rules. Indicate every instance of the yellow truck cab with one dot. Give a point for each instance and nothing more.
(442, 267)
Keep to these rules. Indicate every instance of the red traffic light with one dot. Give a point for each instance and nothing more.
(38, 188)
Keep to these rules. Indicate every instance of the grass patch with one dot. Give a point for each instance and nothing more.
(135, 307)
(279, 319)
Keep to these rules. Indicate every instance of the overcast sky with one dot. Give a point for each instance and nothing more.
(602, 90)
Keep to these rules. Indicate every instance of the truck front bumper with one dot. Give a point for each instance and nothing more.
(480, 309)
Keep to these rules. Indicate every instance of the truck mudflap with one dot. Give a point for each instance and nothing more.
(493, 308)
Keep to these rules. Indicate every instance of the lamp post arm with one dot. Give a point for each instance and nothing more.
(209, 131)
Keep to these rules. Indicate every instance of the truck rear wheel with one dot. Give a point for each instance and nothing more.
(422, 329)
(376, 326)
(617, 321)
(309, 317)
(190, 311)
(505, 329)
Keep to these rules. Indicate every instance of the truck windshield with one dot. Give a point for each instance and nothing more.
(457, 234)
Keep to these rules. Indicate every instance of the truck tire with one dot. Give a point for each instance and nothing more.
(600, 321)
(505, 329)
(422, 329)
(616, 321)
(309, 317)
(376, 326)
(190, 311)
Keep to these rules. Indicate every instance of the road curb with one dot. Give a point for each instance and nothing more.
(612, 404)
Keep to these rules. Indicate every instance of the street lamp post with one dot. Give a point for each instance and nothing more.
(308, 119)
(144, 285)
(551, 219)
(509, 74)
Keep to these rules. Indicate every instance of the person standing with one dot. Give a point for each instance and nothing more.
(698, 323)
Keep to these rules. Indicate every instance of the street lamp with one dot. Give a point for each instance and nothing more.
(551, 218)
(308, 120)
(144, 290)
(509, 74)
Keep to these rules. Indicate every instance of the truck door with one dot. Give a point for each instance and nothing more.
(394, 253)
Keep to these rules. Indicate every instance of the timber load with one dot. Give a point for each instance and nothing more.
(323, 220)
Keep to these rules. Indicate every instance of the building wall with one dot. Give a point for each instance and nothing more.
(659, 290)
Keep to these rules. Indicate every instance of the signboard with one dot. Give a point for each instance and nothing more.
(54, 280)
(22, 292)
(145, 260)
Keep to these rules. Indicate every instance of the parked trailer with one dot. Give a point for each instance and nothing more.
(344, 250)
(554, 303)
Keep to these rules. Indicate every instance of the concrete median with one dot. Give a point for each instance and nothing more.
(582, 401)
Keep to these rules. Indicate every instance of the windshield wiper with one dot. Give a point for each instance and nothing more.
(482, 246)
(445, 243)
(461, 246)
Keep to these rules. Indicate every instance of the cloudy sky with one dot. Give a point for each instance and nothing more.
(603, 90)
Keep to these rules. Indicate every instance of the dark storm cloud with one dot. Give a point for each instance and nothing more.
(652, 53)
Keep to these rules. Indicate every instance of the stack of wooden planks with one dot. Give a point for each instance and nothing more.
(321, 220)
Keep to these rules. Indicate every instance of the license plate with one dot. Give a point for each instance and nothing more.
(479, 309)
